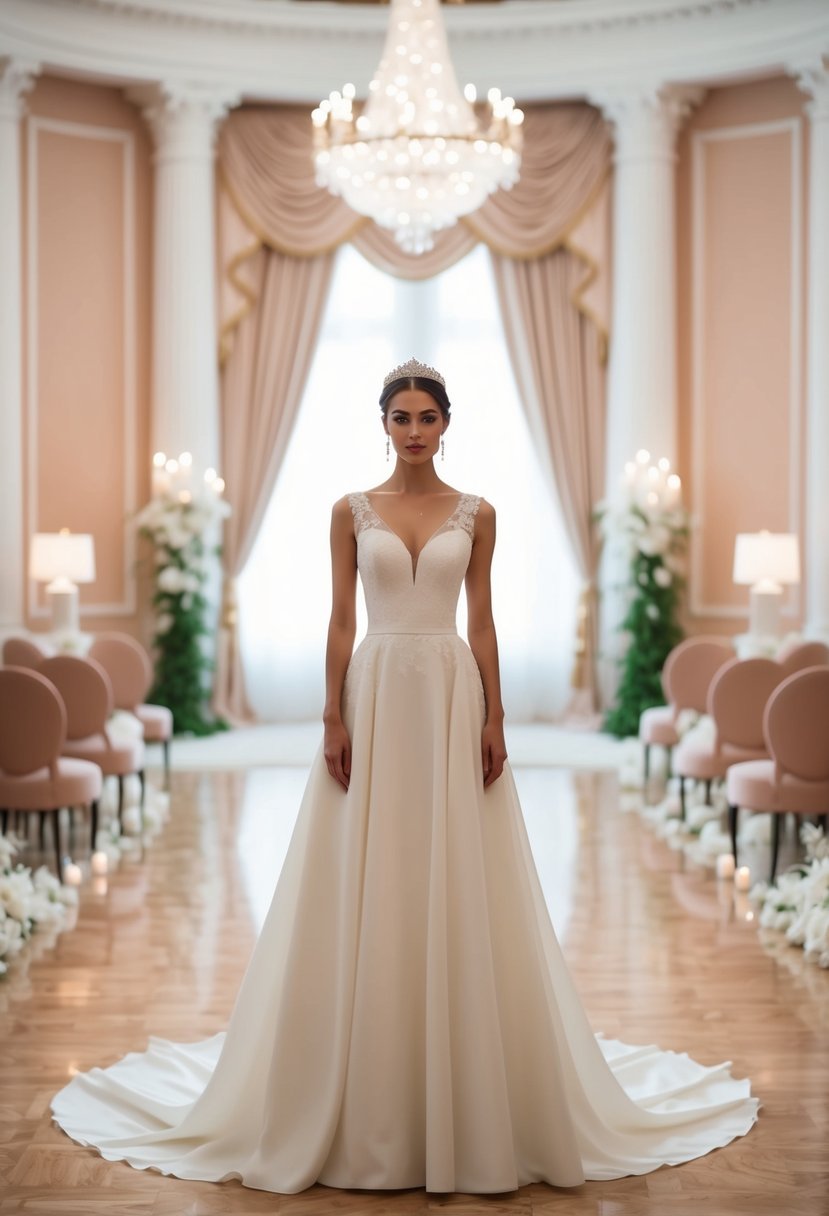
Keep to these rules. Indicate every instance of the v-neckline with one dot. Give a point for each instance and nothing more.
(415, 557)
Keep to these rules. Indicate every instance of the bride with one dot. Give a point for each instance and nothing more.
(407, 1018)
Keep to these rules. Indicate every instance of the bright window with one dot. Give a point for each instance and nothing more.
(372, 323)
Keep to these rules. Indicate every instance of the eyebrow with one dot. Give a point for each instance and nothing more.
(431, 410)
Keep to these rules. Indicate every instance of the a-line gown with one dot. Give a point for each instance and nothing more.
(407, 1018)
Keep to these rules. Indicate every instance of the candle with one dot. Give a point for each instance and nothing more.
(72, 874)
(742, 878)
(725, 866)
(100, 863)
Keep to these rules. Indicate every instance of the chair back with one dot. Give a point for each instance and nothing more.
(128, 666)
(32, 721)
(86, 691)
(22, 652)
(799, 655)
(690, 668)
(737, 700)
(797, 724)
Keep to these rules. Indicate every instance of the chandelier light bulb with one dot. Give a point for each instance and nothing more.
(159, 460)
(443, 159)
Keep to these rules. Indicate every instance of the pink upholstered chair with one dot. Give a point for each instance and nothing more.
(23, 652)
(737, 701)
(128, 666)
(87, 694)
(796, 777)
(34, 777)
(686, 678)
(797, 656)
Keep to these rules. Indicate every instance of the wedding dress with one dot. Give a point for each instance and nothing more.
(407, 1018)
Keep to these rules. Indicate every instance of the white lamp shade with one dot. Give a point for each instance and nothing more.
(62, 555)
(761, 557)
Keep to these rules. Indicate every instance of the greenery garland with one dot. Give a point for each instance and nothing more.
(178, 525)
(656, 538)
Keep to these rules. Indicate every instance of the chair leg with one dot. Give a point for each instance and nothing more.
(166, 764)
(120, 799)
(647, 762)
(775, 846)
(4, 818)
(708, 793)
(93, 824)
(821, 822)
(669, 755)
(42, 833)
(142, 779)
(56, 834)
(733, 812)
(682, 796)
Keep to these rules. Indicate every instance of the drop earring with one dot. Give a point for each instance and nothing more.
(387, 447)
(441, 449)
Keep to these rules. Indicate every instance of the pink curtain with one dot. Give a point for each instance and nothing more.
(262, 385)
(560, 377)
(277, 234)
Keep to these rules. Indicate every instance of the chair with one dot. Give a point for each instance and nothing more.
(686, 678)
(796, 656)
(34, 777)
(128, 666)
(737, 701)
(87, 694)
(796, 777)
(23, 652)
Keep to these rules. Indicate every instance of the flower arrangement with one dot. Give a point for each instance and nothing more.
(179, 521)
(798, 902)
(27, 901)
(651, 528)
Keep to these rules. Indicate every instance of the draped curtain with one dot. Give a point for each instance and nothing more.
(548, 238)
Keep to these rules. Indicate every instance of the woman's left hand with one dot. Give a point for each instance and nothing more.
(493, 751)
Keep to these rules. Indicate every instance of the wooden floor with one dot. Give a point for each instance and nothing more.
(659, 953)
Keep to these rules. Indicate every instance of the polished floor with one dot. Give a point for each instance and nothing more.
(660, 952)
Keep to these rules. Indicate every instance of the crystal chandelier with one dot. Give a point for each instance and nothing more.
(416, 156)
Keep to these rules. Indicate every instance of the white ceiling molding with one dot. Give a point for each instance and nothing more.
(281, 50)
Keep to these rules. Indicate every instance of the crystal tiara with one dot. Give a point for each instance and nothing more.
(413, 368)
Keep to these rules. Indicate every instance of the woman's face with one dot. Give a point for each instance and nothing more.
(415, 424)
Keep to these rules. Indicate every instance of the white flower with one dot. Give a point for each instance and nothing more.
(643, 579)
(662, 577)
(164, 622)
(654, 540)
(652, 612)
(172, 580)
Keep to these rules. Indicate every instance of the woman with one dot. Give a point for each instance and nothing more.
(407, 1018)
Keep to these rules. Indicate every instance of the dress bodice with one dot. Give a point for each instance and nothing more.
(407, 594)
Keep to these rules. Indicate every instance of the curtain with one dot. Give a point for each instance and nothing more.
(263, 382)
(272, 214)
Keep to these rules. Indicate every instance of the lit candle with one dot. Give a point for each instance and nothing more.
(674, 488)
(742, 878)
(100, 863)
(725, 865)
(72, 874)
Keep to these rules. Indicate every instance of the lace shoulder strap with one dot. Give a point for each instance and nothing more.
(466, 511)
(361, 509)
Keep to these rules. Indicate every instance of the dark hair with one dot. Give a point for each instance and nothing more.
(433, 387)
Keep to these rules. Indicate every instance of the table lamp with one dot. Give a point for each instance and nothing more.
(62, 559)
(766, 561)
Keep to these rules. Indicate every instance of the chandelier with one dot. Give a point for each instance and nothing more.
(416, 157)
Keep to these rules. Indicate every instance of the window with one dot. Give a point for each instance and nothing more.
(372, 323)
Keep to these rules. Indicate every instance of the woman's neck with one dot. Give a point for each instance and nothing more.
(413, 479)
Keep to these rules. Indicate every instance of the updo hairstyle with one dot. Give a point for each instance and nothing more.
(435, 390)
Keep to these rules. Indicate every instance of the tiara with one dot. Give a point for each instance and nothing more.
(413, 368)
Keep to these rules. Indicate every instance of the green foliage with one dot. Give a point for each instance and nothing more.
(182, 640)
(651, 622)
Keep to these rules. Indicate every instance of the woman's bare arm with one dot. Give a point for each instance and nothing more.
(341, 630)
(484, 643)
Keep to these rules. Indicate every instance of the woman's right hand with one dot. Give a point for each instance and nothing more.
(337, 749)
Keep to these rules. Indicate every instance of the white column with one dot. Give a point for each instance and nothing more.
(642, 374)
(15, 78)
(185, 379)
(815, 81)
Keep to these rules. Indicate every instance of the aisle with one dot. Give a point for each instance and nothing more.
(657, 953)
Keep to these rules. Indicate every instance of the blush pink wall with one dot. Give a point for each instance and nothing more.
(741, 193)
(87, 200)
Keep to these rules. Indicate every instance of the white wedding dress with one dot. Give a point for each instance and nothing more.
(407, 1018)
